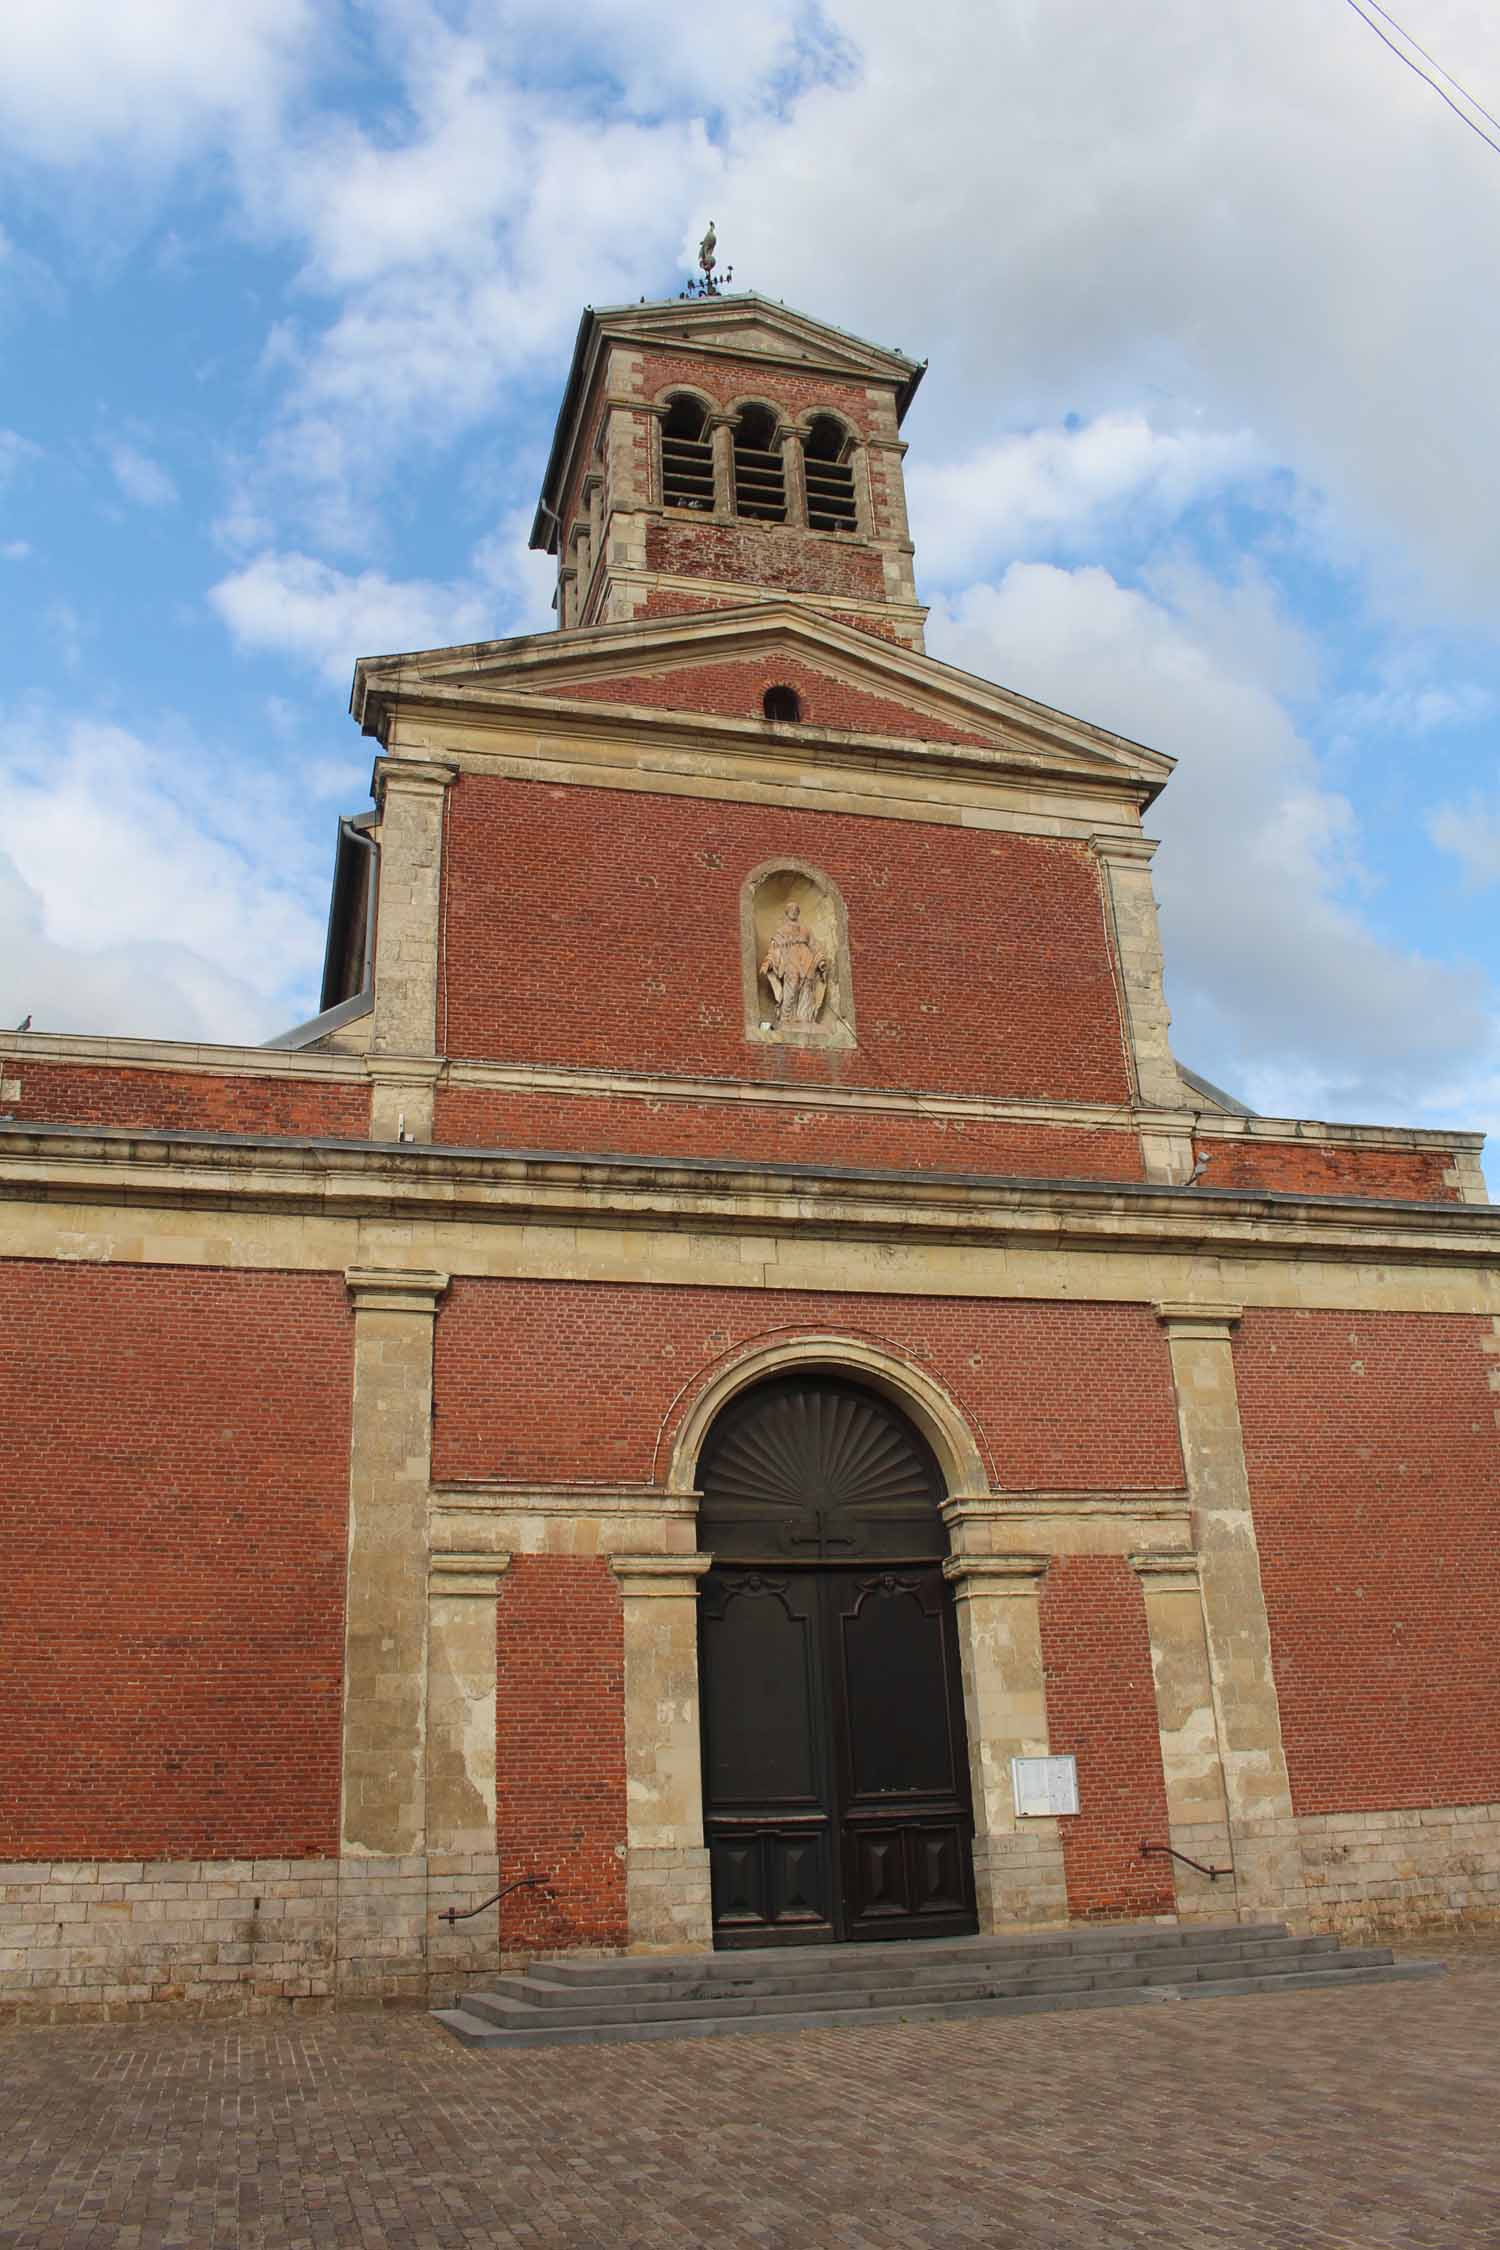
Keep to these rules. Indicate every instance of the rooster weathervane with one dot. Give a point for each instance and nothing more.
(706, 283)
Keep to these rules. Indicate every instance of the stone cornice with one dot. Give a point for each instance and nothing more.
(343, 1179)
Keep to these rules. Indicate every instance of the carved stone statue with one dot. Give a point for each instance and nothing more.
(796, 968)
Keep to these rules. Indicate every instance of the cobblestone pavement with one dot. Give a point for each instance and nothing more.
(1362, 2118)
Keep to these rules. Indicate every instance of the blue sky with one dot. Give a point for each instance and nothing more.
(1208, 451)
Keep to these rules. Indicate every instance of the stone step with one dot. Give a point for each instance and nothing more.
(742, 1960)
(894, 1975)
(476, 2030)
(516, 2011)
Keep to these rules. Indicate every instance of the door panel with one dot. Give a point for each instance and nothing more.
(767, 1797)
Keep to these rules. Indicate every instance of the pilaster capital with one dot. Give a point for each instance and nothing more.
(1127, 848)
(466, 1577)
(670, 1576)
(415, 776)
(394, 1289)
(1210, 1322)
(1166, 1571)
(995, 1577)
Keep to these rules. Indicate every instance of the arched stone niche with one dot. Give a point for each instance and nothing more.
(815, 1007)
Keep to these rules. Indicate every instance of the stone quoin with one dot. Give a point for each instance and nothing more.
(730, 1326)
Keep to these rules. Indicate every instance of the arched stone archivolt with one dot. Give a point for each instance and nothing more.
(917, 1393)
(796, 975)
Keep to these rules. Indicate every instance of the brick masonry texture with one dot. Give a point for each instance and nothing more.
(663, 601)
(598, 926)
(560, 1751)
(786, 387)
(1374, 1465)
(174, 1506)
(564, 1380)
(737, 691)
(1101, 1709)
(645, 1125)
(55, 1093)
(777, 559)
(1308, 1168)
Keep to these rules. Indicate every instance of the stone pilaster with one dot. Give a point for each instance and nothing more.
(1257, 1792)
(721, 439)
(666, 1869)
(1125, 861)
(412, 791)
(463, 1865)
(1018, 1866)
(383, 1872)
(1196, 1816)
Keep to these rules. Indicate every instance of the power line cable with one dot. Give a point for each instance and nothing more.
(1458, 87)
(1461, 114)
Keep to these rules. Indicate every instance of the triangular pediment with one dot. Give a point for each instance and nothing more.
(756, 326)
(711, 669)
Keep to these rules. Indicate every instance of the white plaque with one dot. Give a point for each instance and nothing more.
(1044, 1786)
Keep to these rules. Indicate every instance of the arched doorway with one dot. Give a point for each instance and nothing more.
(836, 1788)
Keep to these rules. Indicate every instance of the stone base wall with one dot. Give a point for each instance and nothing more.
(1432, 1869)
(1019, 1880)
(668, 1894)
(1198, 1898)
(118, 1940)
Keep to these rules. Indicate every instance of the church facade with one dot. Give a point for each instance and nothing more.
(729, 1379)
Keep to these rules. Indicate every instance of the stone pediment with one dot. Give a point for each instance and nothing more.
(711, 670)
(751, 324)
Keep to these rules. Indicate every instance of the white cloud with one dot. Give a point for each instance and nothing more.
(1471, 832)
(1067, 486)
(15, 550)
(141, 899)
(294, 605)
(298, 607)
(1267, 960)
(83, 81)
(140, 478)
(15, 451)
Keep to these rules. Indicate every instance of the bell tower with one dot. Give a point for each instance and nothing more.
(713, 450)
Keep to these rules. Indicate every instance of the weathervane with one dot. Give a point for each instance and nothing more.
(706, 285)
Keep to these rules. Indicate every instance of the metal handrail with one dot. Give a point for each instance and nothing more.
(453, 1914)
(1213, 1873)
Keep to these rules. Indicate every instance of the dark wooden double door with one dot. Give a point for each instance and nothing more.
(836, 1797)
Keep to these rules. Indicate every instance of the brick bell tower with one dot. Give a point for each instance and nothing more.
(717, 449)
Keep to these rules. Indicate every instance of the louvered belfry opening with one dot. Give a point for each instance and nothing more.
(687, 459)
(835, 1768)
(759, 471)
(830, 476)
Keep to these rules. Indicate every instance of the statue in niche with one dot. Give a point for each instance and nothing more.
(796, 968)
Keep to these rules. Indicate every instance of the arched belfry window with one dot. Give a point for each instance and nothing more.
(783, 704)
(827, 452)
(687, 461)
(759, 471)
(794, 947)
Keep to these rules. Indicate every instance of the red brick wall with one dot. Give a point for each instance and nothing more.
(737, 691)
(574, 1380)
(770, 558)
(662, 602)
(560, 1751)
(176, 1468)
(68, 1093)
(1313, 1168)
(645, 1125)
(1101, 1709)
(598, 926)
(1374, 1466)
(790, 388)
